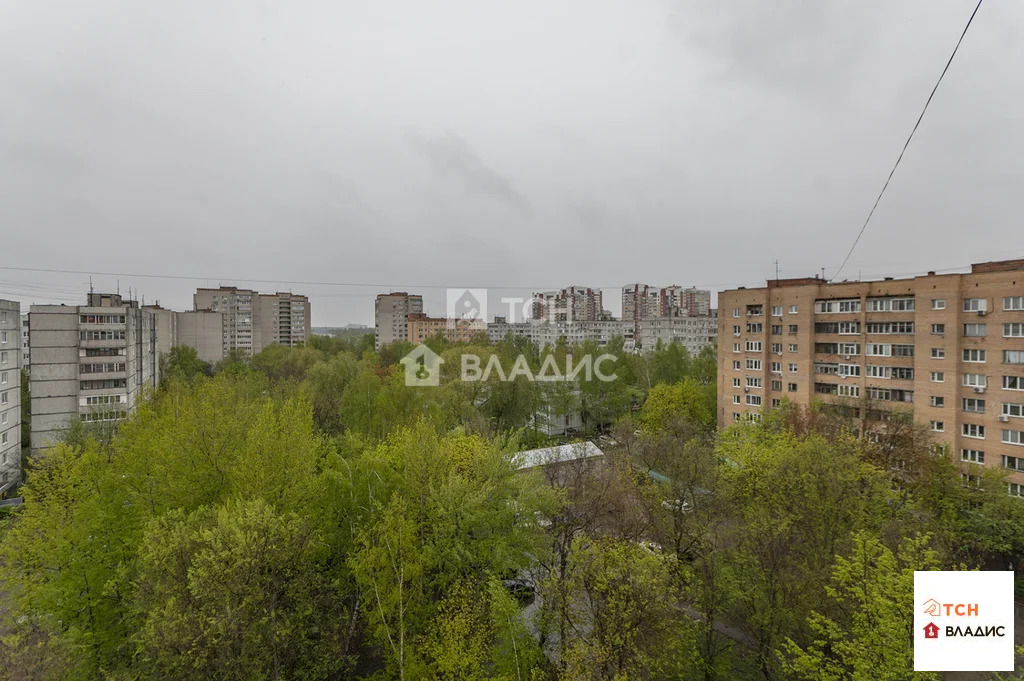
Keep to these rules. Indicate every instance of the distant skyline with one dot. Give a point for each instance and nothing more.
(517, 146)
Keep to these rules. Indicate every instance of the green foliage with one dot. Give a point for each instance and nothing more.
(182, 363)
(872, 637)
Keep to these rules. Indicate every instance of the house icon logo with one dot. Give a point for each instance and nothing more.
(931, 630)
(422, 367)
(932, 607)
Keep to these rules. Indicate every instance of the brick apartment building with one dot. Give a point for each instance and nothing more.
(947, 347)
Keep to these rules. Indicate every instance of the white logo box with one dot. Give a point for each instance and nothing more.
(957, 602)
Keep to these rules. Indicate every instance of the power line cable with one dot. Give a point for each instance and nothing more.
(907, 143)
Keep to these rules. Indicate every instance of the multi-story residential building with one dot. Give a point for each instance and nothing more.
(421, 327)
(202, 330)
(693, 333)
(391, 316)
(675, 301)
(24, 341)
(10, 394)
(639, 301)
(946, 348)
(282, 317)
(572, 304)
(252, 320)
(92, 362)
(238, 307)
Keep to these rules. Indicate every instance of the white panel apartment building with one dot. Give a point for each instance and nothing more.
(237, 305)
(10, 394)
(252, 320)
(92, 362)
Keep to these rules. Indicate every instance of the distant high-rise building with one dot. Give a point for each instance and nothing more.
(10, 394)
(391, 316)
(946, 349)
(572, 304)
(92, 362)
(677, 301)
(639, 301)
(252, 320)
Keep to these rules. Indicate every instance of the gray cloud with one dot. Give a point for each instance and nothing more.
(451, 156)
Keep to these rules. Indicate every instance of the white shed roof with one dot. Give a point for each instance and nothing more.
(560, 454)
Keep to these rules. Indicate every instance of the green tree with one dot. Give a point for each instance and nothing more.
(183, 363)
(872, 638)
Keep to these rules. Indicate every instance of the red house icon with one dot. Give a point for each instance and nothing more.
(931, 631)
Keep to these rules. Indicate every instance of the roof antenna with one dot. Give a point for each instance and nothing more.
(776, 269)
(823, 273)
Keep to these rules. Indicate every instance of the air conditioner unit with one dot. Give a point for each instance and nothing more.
(979, 390)
(1003, 418)
(746, 390)
(982, 313)
(846, 356)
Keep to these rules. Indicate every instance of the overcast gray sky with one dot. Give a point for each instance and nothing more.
(528, 144)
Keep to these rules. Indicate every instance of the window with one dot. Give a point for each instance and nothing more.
(848, 390)
(736, 365)
(3, 441)
(753, 382)
(902, 350)
(826, 306)
(777, 385)
(736, 330)
(793, 328)
(974, 330)
(1015, 489)
(792, 347)
(1013, 356)
(974, 405)
(849, 348)
(974, 380)
(777, 367)
(792, 387)
(938, 329)
(102, 319)
(826, 368)
(1013, 382)
(3, 357)
(1013, 409)
(755, 328)
(903, 373)
(938, 377)
(776, 348)
(849, 370)
(938, 353)
(776, 402)
(792, 368)
(737, 383)
(938, 304)
(891, 327)
(736, 399)
(792, 309)
(3, 419)
(890, 304)
(974, 430)
(754, 400)
(877, 371)
(973, 355)
(3, 377)
(1012, 437)
(937, 401)
(735, 312)
(972, 455)
(754, 364)
(776, 310)
(975, 304)
(735, 347)
(938, 427)
(1013, 303)
(849, 328)
(3, 397)
(1014, 463)
(776, 329)
(1014, 330)
(878, 350)
(3, 336)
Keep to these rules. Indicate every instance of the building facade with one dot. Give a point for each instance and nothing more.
(10, 395)
(693, 333)
(391, 316)
(948, 349)
(282, 318)
(572, 304)
(251, 320)
(24, 342)
(92, 362)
